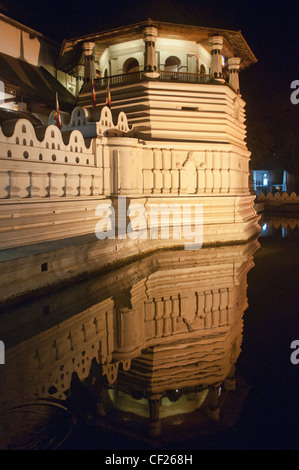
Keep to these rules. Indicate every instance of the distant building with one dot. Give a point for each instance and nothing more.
(266, 181)
(29, 78)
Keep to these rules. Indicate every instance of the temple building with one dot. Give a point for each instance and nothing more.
(173, 135)
(151, 188)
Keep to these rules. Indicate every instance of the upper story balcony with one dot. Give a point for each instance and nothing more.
(220, 71)
(165, 76)
(156, 50)
(173, 82)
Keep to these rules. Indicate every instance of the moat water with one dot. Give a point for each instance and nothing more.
(261, 413)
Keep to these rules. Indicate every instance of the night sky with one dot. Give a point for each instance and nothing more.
(271, 29)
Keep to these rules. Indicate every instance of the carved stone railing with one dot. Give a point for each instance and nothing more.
(278, 198)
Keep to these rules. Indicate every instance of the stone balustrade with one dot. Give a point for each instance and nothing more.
(278, 198)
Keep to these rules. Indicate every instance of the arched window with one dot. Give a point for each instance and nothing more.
(131, 65)
(172, 64)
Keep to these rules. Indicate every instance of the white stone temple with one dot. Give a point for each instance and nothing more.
(174, 137)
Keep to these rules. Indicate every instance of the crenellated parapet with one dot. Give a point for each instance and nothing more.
(46, 162)
(278, 198)
(97, 122)
(48, 171)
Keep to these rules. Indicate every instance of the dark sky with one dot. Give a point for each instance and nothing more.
(271, 29)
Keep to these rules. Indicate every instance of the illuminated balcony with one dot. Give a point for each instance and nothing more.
(164, 76)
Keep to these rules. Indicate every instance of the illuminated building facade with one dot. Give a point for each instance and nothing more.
(173, 136)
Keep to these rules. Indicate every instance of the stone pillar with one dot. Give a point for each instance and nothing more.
(150, 60)
(233, 67)
(155, 423)
(22, 106)
(216, 56)
(213, 406)
(79, 73)
(251, 183)
(89, 65)
(230, 381)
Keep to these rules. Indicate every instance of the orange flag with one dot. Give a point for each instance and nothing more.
(93, 98)
(57, 115)
(108, 97)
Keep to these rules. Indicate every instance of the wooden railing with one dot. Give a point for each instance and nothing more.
(133, 77)
(184, 77)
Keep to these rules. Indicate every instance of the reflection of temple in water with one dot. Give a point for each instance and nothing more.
(286, 223)
(157, 338)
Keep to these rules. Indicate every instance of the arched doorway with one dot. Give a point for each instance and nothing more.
(131, 65)
(172, 67)
(172, 64)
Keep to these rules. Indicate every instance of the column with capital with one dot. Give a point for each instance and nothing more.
(89, 65)
(216, 56)
(150, 59)
(79, 74)
(233, 67)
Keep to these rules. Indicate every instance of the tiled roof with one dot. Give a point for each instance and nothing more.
(32, 82)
